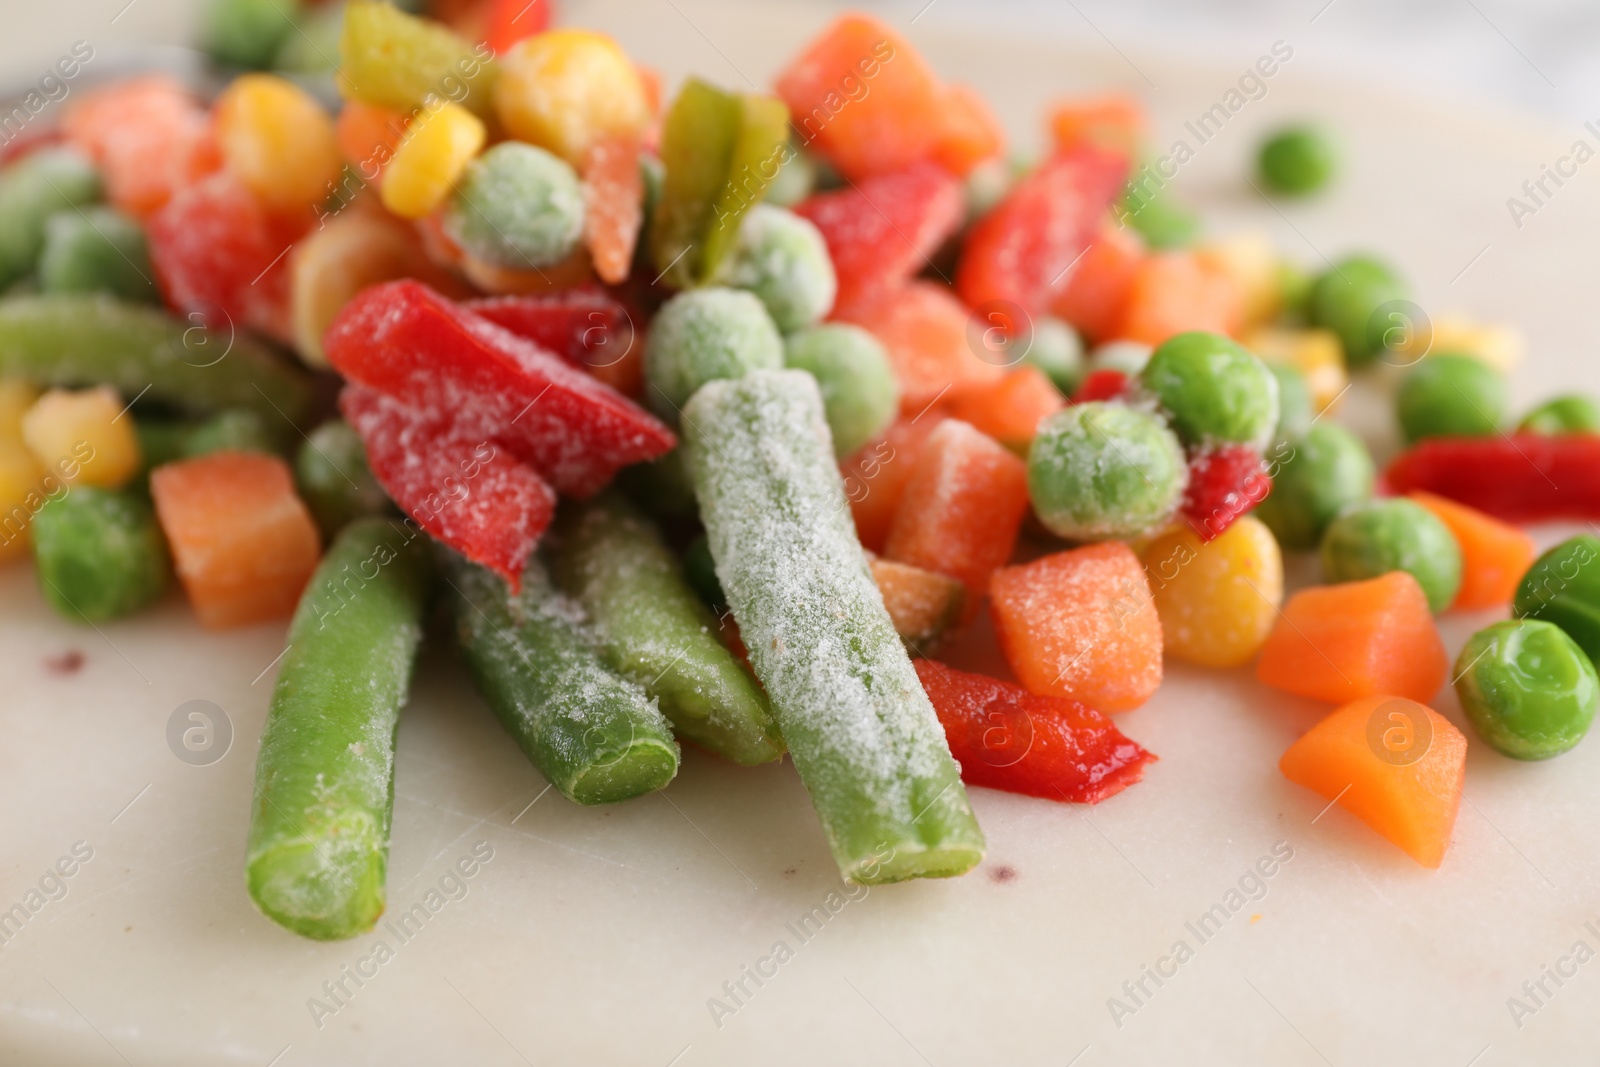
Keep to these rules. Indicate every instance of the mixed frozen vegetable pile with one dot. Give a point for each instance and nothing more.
(713, 418)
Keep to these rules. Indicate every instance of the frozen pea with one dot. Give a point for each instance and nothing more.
(797, 177)
(1295, 406)
(1298, 160)
(1213, 389)
(1396, 534)
(31, 190)
(1158, 216)
(1057, 350)
(518, 207)
(1562, 415)
(331, 472)
(1447, 394)
(1314, 477)
(234, 430)
(783, 259)
(313, 45)
(1293, 283)
(1563, 587)
(96, 250)
(100, 553)
(1099, 471)
(1125, 357)
(702, 335)
(1527, 688)
(1345, 299)
(247, 33)
(859, 391)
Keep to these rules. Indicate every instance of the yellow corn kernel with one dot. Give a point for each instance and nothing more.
(278, 140)
(1314, 353)
(565, 89)
(16, 397)
(357, 248)
(1251, 261)
(20, 496)
(431, 158)
(1501, 347)
(83, 436)
(1217, 601)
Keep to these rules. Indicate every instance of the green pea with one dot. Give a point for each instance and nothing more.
(796, 180)
(1562, 415)
(1057, 350)
(1447, 395)
(783, 259)
(704, 334)
(1099, 471)
(518, 207)
(161, 440)
(1396, 534)
(1159, 218)
(1297, 160)
(32, 190)
(235, 430)
(1213, 389)
(1346, 298)
(100, 553)
(312, 46)
(1527, 688)
(96, 250)
(1295, 406)
(1563, 587)
(1314, 477)
(332, 475)
(859, 393)
(247, 33)
(1294, 291)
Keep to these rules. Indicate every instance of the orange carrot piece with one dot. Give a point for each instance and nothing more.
(1116, 122)
(1395, 764)
(1097, 290)
(1494, 554)
(1343, 642)
(614, 201)
(150, 138)
(875, 477)
(926, 332)
(1010, 409)
(1173, 292)
(1080, 624)
(961, 510)
(971, 135)
(243, 543)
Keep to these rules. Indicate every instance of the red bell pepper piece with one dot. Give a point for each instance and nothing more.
(881, 231)
(1101, 385)
(509, 21)
(1007, 738)
(586, 326)
(1224, 483)
(464, 489)
(405, 340)
(1022, 251)
(219, 254)
(1521, 478)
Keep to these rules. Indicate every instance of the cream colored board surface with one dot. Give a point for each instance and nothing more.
(600, 936)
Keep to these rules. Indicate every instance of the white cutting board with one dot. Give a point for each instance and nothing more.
(598, 936)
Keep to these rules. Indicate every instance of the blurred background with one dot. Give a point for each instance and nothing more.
(1531, 55)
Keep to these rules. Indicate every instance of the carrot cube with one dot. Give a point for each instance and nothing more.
(861, 97)
(971, 134)
(925, 330)
(1175, 292)
(243, 543)
(1010, 409)
(1357, 639)
(1080, 624)
(962, 508)
(1494, 554)
(1116, 122)
(1395, 764)
(875, 477)
(1097, 289)
(150, 138)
